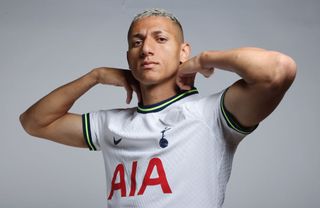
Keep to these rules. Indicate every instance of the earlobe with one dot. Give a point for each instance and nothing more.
(185, 52)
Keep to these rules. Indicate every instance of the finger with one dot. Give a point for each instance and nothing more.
(186, 71)
(129, 93)
(184, 87)
(191, 80)
(208, 72)
(188, 80)
(181, 84)
(129, 97)
(136, 89)
(134, 85)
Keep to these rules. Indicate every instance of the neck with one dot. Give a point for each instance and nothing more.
(152, 94)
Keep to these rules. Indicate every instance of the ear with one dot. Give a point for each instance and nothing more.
(185, 52)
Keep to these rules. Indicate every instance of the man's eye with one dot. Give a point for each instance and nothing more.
(137, 42)
(162, 40)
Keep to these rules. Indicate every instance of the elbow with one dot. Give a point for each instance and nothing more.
(288, 68)
(285, 70)
(26, 123)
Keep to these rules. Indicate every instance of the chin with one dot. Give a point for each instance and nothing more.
(148, 78)
(157, 82)
(148, 82)
(153, 77)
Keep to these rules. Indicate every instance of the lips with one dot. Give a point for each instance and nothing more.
(148, 64)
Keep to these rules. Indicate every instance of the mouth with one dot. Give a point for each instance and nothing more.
(148, 64)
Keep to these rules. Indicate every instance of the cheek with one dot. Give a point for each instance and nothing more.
(172, 57)
(130, 60)
(133, 72)
(170, 51)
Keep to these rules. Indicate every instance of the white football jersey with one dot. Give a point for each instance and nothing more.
(176, 153)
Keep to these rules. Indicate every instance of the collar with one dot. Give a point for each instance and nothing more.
(165, 103)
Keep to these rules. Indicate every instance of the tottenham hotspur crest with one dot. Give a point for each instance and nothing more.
(163, 141)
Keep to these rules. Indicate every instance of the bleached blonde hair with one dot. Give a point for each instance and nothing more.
(158, 13)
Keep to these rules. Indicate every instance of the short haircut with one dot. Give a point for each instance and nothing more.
(155, 12)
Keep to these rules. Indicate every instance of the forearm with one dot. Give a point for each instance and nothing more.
(57, 103)
(254, 65)
(266, 75)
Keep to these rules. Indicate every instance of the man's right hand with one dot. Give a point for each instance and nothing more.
(49, 117)
(119, 77)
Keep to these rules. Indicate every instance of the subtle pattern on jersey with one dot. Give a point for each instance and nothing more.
(195, 164)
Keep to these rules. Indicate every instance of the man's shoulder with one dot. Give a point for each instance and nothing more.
(206, 99)
(114, 113)
(118, 111)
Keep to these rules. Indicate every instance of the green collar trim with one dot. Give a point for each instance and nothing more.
(163, 104)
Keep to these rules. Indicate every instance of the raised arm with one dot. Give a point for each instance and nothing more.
(266, 76)
(49, 117)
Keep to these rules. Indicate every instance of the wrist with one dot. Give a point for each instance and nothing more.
(91, 78)
(207, 59)
(94, 75)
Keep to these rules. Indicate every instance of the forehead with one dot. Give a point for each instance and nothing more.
(153, 23)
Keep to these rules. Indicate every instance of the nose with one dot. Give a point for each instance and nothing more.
(147, 48)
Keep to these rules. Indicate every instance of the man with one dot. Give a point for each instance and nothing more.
(174, 149)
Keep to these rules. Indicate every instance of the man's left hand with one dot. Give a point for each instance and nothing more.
(188, 70)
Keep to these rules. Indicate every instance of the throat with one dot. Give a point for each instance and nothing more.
(157, 93)
(164, 103)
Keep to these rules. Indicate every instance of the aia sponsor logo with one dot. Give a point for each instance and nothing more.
(155, 167)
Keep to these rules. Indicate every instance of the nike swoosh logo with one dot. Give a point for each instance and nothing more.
(115, 141)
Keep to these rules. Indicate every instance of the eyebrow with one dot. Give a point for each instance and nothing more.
(140, 35)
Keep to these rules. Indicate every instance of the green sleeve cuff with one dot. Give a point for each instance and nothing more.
(87, 131)
(232, 121)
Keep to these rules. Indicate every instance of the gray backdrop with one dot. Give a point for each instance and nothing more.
(46, 43)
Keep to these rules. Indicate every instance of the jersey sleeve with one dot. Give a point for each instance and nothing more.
(91, 126)
(214, 113)
(229, 123)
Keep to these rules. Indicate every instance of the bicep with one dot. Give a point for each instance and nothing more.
(250, 104)
(65, 130)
